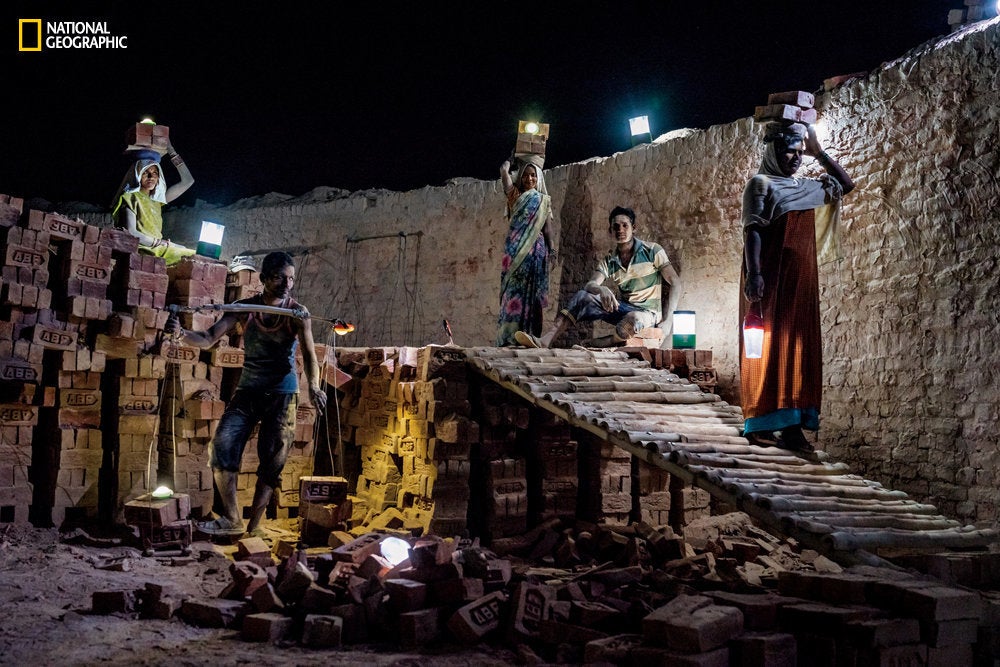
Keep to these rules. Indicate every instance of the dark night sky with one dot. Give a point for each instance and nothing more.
(277, 97)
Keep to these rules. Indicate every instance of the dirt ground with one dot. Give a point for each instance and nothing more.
(45, 612)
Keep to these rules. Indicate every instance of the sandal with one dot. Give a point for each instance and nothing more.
(220, 526)
(527, 340)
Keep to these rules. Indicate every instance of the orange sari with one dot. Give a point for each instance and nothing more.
(789, 374)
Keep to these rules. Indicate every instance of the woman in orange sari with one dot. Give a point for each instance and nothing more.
(524, 280)
(782, 390)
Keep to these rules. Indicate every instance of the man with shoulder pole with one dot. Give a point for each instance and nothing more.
(266, 394)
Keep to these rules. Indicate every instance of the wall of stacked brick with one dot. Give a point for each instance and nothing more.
(436, 449)
(909, 312)
(95, 409)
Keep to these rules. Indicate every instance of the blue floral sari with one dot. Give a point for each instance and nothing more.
(524, 281)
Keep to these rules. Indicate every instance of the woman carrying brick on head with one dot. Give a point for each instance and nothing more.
(524, 278)
(782, 390)
(140, 198)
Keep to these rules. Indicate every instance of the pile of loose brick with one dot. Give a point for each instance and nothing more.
(95, 408)
(576, 592)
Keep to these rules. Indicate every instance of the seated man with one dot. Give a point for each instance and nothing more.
(636, 267)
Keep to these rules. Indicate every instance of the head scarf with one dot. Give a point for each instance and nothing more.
(133, 177)
(535, 161)
(784, 193)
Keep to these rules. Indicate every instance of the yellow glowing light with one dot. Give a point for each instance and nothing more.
(531, 128)
(343, 328)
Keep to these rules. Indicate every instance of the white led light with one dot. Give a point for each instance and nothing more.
(684, 329)
(395, 550)
(639, 125)
(211, 232)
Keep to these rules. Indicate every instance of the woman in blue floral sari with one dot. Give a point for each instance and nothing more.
(524, 281)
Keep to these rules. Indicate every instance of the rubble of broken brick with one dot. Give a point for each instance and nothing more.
(724, 593)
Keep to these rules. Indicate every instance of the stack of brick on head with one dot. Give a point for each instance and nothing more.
(781, 390)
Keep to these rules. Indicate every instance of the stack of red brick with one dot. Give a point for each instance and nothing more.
(695, 365)
(500, 507)
(62, 279)
(192, 394)
(793, 106)
(93, 411)
(408, 418)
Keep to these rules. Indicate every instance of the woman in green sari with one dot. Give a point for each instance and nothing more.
(524, 280)
(143, 192)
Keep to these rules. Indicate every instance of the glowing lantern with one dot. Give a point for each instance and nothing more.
(753, 335)
(395, 550)
(684, 331)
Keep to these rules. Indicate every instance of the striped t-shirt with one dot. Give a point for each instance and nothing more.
(639, 282)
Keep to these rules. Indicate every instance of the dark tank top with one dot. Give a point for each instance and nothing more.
(269, 344)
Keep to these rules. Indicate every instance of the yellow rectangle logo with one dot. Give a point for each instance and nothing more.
(29, 34)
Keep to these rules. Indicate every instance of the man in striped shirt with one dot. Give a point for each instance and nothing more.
(637, 268)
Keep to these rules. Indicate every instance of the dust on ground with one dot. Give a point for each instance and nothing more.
(45, 612)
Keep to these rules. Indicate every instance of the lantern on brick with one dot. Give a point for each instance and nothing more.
(210, 239)
(684, 329)
(395, 550)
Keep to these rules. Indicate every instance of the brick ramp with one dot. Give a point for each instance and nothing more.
(671, 424)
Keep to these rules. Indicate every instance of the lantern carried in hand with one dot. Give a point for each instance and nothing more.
(753, 334)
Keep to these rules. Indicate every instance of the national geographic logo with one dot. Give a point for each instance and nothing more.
(39, 34)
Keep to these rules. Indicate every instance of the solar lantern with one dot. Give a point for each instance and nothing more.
(210, 239)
